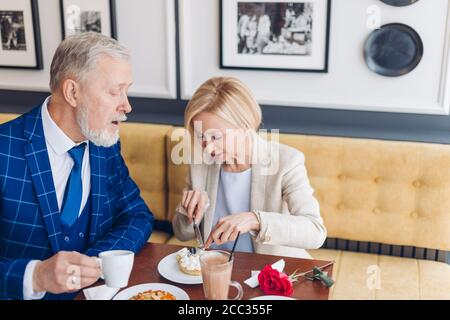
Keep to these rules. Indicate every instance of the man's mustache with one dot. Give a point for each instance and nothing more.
(121, 118)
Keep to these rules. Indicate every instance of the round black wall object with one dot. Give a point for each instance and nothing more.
(399, 3)
(393, 50)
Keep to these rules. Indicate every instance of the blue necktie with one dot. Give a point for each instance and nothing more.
(74, 189)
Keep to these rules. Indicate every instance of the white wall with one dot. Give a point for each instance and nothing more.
(147, 27)
(349, 84)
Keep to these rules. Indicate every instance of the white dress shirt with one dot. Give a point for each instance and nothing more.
(61, 164)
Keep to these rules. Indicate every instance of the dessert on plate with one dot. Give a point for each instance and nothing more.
(189, 261)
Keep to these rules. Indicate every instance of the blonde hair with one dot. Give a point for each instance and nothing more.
(228, 98)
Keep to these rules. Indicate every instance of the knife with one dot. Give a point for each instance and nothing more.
(198, 234)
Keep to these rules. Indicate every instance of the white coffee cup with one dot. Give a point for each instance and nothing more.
(116, 266)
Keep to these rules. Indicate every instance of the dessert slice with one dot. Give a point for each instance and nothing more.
(189, 261)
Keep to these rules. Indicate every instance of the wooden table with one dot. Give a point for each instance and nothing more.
(146, 263)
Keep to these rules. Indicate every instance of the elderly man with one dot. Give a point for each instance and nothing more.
(65, 191)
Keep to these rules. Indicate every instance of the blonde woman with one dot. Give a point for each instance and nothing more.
(257, 188)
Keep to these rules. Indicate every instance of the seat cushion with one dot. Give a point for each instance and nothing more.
(399, 278)
(380, 191)
(159, 237)
(144, 152)
(189, 243)
(5, 117)
(176, 173)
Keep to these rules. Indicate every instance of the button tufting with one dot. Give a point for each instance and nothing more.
(417, 184)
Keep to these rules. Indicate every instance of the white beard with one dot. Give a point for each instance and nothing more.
(102, 137)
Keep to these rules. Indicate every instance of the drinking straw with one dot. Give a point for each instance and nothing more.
(234, 246)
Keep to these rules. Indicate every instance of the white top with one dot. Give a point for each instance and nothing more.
(61, 164)
(233, 196)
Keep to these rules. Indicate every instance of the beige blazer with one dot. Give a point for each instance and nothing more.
(281, 193)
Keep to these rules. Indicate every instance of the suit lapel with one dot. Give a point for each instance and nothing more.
(98, 189)
(260, 161)
(36, 155)
(258, 188)
(212, 184)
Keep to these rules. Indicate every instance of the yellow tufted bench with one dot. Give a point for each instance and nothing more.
(376, 191)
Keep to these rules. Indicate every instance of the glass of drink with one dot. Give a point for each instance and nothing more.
(216, 275)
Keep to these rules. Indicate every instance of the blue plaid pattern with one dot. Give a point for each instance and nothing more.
(29, 217)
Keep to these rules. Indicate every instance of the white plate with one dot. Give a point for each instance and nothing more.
(272, 298)
(168, 268)
(130, 292)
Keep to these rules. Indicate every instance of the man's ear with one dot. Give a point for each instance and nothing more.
(71, 92)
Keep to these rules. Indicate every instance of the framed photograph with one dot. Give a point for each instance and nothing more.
(80, 16)
(275, 35)
(20, 35)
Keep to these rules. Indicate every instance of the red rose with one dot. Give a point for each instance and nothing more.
(273, 282)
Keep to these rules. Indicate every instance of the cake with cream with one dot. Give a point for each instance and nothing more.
(189, 262)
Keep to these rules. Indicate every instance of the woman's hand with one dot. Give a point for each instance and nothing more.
(228, 228)
(194, 204)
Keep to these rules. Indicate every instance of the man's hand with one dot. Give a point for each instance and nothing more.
(65, 272)
(229, 227)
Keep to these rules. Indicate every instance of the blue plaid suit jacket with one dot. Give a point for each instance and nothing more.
(29, 215)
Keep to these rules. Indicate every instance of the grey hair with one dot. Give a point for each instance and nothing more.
(77, 55)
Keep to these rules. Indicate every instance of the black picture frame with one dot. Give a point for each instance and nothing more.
(37, 44)
(326, 38)
(112, 15)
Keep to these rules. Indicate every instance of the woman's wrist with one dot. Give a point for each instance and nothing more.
(256, 223)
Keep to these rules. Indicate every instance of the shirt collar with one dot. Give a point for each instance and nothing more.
(54, 136)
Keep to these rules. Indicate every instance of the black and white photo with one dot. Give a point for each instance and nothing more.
(20, 45)
(275, 28)
(12, 30)
(280, 35)
(80, 16)
(91, 21)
